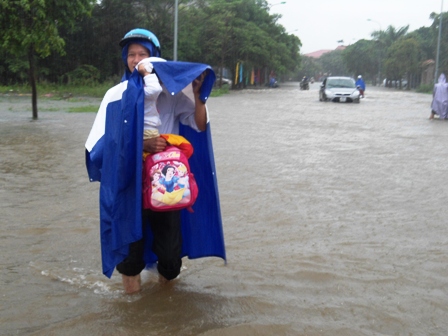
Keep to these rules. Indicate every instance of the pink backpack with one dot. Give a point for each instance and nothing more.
(168, 183)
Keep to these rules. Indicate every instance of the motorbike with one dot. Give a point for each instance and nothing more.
(272, 83)
(304, 85)
(361, 91)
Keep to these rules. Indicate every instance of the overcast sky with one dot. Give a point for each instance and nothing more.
(320, 24)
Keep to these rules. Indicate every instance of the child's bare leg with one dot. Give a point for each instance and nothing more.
(131, 284)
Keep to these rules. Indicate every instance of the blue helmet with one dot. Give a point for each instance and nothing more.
(142, 36)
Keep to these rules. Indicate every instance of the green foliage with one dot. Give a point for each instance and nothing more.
(425, 88)
(390, 35)
(244, 31)
(426, 42)
(69, 91)
(83, 75)
(30, 28)
(310, 67)
(333, 63)
(66, 39)
(32, 25)
(77, 92)
(443, 54)
(403, 58)
(15, 67)
(54, 91)
(216, 92)
(363, 58)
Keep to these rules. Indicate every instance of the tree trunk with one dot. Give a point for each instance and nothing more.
(221, 70)
(33, 82)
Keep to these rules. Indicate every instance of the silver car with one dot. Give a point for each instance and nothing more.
(225, 81)
(339, 89)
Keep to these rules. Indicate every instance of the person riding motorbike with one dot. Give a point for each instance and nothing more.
(304, 84)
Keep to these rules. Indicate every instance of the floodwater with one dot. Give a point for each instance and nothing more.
(335, 221)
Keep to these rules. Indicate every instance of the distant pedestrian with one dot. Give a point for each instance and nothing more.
(361, 86)
(439, 103)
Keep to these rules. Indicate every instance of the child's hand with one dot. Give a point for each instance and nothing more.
(144, 67)
(154, 145)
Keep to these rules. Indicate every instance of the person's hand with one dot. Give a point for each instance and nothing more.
(197, 83)
(154, 145)
(144, 67)
(200, 114)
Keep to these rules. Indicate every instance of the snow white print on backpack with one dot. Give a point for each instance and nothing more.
(168, 183)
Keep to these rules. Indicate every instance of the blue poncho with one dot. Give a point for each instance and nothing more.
(114, 158)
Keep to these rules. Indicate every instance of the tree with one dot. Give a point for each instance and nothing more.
(403, 59)
(384, 39)
(243, 31)
(30, 29)
(443, 54)
(390, 35)
(332, 62)
(361, 58)
(158, 16)
(217, 32)
(309, 67)
(424, 36)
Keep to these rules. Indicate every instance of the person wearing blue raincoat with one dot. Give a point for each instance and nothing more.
(361, 85)
(133, 238)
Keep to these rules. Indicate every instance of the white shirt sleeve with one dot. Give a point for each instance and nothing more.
(152, 89)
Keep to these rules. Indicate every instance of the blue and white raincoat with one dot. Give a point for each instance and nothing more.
(114, 158)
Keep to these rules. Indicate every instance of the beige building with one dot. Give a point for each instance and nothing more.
(428, 68)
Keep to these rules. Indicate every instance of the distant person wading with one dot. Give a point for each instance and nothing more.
(439, 105)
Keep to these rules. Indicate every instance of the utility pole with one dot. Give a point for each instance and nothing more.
(176, 7)
(438, 44)
(379, 51)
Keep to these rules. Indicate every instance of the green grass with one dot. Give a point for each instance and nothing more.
(216, 92)
(83, 109)
(56, 92)
(75, 93)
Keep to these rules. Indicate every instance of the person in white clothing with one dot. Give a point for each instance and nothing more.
(152, 89)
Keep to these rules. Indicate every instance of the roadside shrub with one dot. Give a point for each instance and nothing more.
(83, 75)
(425, 88)
(216, 92)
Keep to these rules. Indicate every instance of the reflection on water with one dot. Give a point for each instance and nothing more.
(333, 216)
